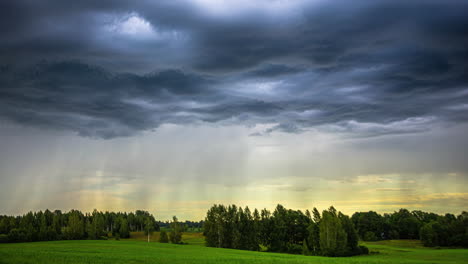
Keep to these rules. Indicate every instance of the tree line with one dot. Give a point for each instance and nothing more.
(187, 225)
(330, 233)
(283, 230)
(74, 225)
(432, 229)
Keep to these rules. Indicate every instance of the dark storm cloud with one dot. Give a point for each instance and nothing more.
(94, 102)
(274, 70)
(114, 68)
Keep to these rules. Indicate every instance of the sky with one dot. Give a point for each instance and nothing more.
(173, 106)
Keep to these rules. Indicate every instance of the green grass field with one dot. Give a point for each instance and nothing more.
(135, 251)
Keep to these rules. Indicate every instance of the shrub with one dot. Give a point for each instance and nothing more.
(3, 238)
(163, 238)
(294, 249)
(17, 235)
(363, 250)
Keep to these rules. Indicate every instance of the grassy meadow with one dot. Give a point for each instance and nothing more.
(135, 250)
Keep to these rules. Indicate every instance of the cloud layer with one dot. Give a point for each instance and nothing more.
(115, 68)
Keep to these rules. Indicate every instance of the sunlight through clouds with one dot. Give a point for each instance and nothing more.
(132, 25)
(165, 105)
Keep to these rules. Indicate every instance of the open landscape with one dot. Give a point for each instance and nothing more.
(234, 131)
(136, 251)
(232, 235)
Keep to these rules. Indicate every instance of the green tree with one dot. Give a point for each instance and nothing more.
(210, 227)
(4, 225)
(99, 223)
(75, 228)
(279, 236)
(43, 229)
(352, 237)
(332, 234)
(316, 215)
(57, 223)
(131, 221)
(428, 234)
(407, 224)
(369, 222)
(175, 236)
(116, 224)
(124, 229)
(149, 228)
(215, 226)
(90, 231)
(27, 226)
(257, 228)
(249, 231)
(95, 225)
(17, 235)
(313, 240)
(266, 228)
(163, 238)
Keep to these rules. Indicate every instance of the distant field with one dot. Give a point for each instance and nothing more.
(191, 238)
(134, 251)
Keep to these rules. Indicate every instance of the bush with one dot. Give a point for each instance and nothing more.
(3, 238)
(163, 237)
(363, 250)
(294, 249)
(17, 235)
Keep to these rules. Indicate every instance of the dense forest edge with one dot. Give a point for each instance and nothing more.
(329, 233)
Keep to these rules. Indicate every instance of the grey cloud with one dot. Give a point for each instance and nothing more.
(93, 102)
(370, 68)
(274, 70)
